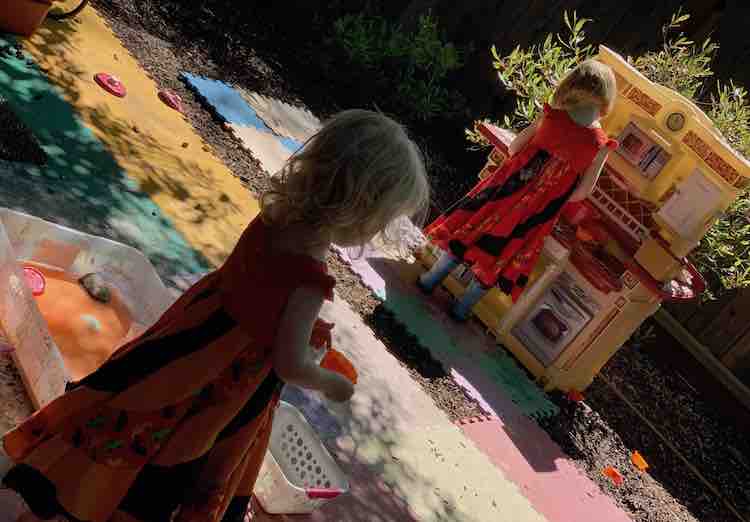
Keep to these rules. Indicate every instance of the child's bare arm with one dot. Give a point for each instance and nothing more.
(523, 137)
(292, 360)
(591, 176)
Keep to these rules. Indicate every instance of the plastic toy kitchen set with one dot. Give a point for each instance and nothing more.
(614, 258)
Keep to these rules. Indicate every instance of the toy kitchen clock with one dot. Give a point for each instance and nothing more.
(614, 258)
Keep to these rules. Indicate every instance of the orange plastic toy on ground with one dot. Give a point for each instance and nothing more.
(337, 362)
(614, 475)
(638, 461)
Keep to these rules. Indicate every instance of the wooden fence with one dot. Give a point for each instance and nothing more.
(723, 328)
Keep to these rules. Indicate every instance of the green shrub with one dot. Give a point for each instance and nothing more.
(531, 74)
(724, 252)
(684, 66)
(680, 64)
(409, 69)
(730, 111)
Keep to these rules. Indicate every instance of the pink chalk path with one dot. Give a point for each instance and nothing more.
(543, 473)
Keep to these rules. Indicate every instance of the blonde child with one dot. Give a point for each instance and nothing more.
(178, 420)
(499, 227)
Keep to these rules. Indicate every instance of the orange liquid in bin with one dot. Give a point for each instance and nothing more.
(336, 361)
(86, 331)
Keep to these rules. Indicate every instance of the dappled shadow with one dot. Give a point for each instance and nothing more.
(471, 356)
(370, 435)
(534, 444)
(85, 188)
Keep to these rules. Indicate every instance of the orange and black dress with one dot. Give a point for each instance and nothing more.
(499, 227)
(179, 419)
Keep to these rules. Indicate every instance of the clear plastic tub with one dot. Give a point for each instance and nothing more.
(298, 474)
(26, 238)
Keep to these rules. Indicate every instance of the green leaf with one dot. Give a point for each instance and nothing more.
(581, 23)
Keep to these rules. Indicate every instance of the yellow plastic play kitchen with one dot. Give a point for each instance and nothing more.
(614, 258)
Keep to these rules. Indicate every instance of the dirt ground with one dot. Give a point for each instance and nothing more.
(17, 143)
(164, 61)
(600, 432)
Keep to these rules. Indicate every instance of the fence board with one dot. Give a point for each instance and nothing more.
(720, 372)
(737, 357)
(724, 331)
(707, 314)
(683, 312)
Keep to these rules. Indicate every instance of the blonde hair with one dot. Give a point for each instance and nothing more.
(592, 82)
(355, 176)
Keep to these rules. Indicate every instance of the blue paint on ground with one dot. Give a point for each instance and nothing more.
(289, 143)
(225, 100)
(229, 105)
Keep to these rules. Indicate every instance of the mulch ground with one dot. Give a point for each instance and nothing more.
(164, 60)
(17, 142)
(599, 433)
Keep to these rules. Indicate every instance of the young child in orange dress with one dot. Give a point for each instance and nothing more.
(176, 422)
(499, 227)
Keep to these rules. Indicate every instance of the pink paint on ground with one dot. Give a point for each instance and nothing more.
(357, 260)
(551, 482)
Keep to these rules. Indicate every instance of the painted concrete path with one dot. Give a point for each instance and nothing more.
(509, 438)
(119, 169)
(399, 449)
(157, 147)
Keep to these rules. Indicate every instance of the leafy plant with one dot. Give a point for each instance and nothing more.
(724, 252)
(680, 64)
(684, 66)
(730, 111)
(410, 69)
(532, 74)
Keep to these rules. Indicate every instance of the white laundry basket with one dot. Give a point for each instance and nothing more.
(298, 474)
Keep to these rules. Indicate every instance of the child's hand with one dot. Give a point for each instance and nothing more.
(340, 389)
(321, 334)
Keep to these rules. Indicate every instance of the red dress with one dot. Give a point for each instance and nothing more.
(181, 416)
(499, 227)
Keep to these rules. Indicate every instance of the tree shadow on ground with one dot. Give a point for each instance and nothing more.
(531, 441)
(468, 354)
(368, 438)
(83, 186)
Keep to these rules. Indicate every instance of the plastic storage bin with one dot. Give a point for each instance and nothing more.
(27, 238)
(298, 474)
(23, 16)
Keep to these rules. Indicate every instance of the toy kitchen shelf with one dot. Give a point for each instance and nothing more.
(614, 259)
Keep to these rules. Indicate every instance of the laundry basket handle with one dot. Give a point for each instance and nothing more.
(326, 494)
